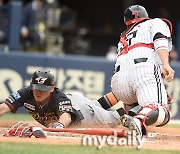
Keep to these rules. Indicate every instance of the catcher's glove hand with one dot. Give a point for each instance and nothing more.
(57, 125)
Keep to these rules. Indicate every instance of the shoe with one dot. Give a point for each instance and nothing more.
(133, 124)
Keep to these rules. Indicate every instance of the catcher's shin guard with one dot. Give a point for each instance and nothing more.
(108, 100)
(157, 115)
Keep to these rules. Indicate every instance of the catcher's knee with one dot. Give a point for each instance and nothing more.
(152, 114)
(108, 100)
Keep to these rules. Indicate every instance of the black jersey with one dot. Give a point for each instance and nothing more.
(47, 114)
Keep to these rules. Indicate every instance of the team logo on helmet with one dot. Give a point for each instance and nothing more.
(41, 80)
(136, 13)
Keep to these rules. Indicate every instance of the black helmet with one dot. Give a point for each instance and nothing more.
(134, 14)
(42, 80)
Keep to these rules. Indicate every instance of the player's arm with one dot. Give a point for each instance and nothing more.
(65, 110)
(162, 45)
(4, 109)
(167, 71)
(65, 119)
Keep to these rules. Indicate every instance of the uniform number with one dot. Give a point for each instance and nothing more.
(130, 36)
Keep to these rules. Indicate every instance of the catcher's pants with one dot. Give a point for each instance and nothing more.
(141, 83)
(93, 114)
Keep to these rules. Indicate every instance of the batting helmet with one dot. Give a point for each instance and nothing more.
(134, 14)
(42, 80)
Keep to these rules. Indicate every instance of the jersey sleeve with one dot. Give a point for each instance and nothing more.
(16, 99)
(159, 26)
(161, 35)
(61, 102)
(65, 105)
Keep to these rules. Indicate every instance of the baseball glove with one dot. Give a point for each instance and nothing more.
(25, 130)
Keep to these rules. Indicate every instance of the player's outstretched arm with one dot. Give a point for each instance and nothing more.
(64, 121)
(4, 109)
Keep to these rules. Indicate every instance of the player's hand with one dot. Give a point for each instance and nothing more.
(168, 72)
(57, 125)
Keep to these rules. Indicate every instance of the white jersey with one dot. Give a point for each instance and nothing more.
(91, 112)
(138, 71)
(144, 33)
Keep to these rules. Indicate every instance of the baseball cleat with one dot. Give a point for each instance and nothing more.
(133, 124)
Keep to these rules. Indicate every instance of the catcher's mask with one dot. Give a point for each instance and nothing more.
(134, 14)
(42, 80)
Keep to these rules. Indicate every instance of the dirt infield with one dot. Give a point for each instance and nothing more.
(163, 138)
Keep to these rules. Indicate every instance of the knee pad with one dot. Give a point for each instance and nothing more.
(108, 100)
(157, 115)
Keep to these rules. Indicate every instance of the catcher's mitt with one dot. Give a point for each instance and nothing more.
(25, 130)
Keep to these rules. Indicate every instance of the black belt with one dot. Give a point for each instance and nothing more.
(136, 61)
(139, 60)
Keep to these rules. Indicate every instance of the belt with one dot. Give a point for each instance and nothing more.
(139, 60)
(136, 61)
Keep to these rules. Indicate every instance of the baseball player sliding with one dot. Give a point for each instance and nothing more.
(52, 108)
(142, 59)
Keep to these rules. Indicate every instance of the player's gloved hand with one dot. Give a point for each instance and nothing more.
(57, 125)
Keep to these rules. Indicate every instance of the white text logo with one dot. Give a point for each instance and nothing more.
(41, 80)
(113, 140)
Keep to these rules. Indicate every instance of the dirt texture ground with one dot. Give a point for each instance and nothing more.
(160, 138)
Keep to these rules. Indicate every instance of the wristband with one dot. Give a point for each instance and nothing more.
(57, 125)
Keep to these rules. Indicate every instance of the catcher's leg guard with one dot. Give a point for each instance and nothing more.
(157, 115)
(108, 100)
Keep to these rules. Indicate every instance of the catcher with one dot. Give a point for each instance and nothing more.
(52, 108)
(143, 57)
